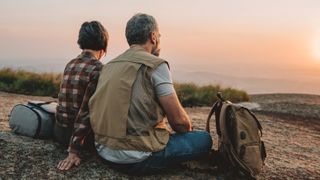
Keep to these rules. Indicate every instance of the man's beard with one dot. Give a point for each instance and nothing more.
(155, 51)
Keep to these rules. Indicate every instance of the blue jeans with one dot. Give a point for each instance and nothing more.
(180, 148)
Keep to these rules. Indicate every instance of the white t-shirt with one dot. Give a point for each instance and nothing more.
(162, 82)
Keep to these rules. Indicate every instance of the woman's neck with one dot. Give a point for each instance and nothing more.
(95, 53)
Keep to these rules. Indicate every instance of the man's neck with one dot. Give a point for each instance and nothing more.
(146, 47)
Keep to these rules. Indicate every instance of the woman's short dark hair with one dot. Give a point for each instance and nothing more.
(93, 35)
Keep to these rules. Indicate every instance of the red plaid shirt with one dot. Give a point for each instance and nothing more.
(79, 82)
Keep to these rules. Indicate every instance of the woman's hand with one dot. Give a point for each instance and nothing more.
(66, 164)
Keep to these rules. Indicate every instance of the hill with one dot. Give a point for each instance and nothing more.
(251, 84)
(291, 125)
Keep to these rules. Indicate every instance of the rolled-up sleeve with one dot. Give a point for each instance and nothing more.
(162, 81)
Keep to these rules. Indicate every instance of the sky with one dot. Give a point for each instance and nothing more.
(266, 40)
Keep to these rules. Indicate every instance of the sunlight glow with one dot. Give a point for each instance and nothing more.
(316, 47)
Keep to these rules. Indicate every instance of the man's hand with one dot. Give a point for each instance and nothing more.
(66, 164)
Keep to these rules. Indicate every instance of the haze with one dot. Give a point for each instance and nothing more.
(261, 47)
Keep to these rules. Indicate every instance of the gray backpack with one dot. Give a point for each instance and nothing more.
(241, 152)
(35, 119)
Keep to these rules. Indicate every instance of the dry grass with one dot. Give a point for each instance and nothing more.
(30, 83)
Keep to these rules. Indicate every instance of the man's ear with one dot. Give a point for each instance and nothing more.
(153, 38)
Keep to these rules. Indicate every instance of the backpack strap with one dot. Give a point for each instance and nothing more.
(39, 105)
(213, 110)
(222, 123)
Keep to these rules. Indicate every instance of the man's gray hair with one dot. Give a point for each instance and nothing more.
(139, 28)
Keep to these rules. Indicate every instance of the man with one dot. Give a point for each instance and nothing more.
(79, 81)
(134, 94)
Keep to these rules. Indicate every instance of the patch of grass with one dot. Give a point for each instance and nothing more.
(30, 83)
(191, 95)
(47, 84)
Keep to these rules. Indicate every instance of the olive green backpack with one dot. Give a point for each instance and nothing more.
(240, 148)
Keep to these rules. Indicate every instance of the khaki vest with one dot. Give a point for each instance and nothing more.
(124, 111)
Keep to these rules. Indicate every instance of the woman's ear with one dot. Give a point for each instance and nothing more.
(101, 52)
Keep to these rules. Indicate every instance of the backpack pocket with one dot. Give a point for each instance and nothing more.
(24, 121)
(250, 154)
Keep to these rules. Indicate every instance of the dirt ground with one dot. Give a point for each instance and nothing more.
(291, 131)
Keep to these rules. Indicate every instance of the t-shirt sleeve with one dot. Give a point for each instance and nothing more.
(162, 81)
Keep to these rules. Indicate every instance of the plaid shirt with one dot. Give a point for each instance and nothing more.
(79, 82)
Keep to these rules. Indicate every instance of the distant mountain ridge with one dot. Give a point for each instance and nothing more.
(253, 85)
(250, 83)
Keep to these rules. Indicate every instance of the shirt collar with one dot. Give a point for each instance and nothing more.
(86, 55)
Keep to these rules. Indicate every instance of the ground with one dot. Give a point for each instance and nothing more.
(291, 131)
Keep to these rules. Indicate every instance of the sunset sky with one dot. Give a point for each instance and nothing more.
(274, 39)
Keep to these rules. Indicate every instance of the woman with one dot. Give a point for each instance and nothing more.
(79, 81)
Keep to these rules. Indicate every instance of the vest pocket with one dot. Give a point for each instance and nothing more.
(162, 135)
